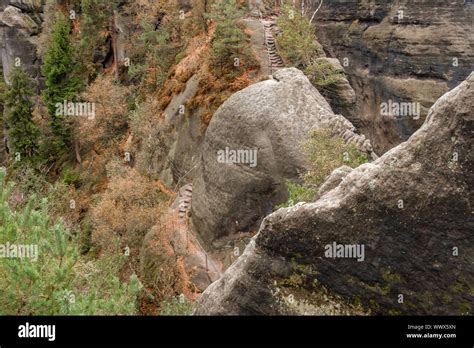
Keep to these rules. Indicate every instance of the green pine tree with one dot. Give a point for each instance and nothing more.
(22, 131)
(61, 82)
(229, 38)
(51, 278)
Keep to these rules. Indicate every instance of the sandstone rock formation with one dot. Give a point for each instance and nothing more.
(334, 179)
(269, 120)
(411, 210)
(256, 7)
(339, 92)
(20, 23)
(397, 50)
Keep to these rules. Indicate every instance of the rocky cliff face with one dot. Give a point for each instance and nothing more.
(253, 145)
(20, 24)
(399, 50)
(395, 236)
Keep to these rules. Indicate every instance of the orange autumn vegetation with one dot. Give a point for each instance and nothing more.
(128, 209)
(111, 112)
(162, 270)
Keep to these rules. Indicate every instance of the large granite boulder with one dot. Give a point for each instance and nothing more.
(408, 215)
(266, 123)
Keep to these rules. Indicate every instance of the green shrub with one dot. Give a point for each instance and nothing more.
(297, 40)
(229, 39)
(29, 179)
(70, 176)
(322, 73)
(100, 290)
(95, 20)
(155, 48)
(297, 193)
(177, 306)
(326, 153)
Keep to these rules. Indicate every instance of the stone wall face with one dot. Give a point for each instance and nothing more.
(20, 25)
(399, 50)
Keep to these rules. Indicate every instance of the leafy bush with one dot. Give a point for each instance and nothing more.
(127, 210)
(322, 73)
(177, 306)
(325, 153)
(29, 180)
(53, 280)
(297, 39)
(110, 100)
(70, 176)
(297, 193)
(162, 270)
(102, 293)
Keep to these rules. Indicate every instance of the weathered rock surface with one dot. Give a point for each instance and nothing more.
(415, 55)
(14, 17)
(20, 23)
(339, 93)
(27, 5)
(334, 179)
(171, 150)
(411, 209)
(183, 153)
(271, 118)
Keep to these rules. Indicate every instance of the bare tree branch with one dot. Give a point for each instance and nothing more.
(314, 13)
